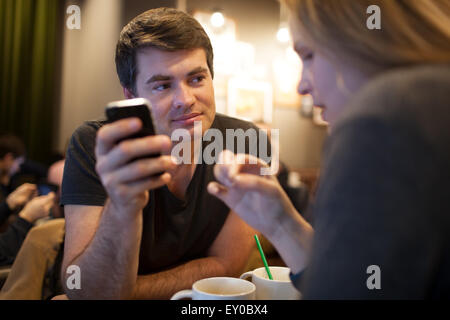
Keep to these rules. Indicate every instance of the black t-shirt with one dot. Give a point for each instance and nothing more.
(174, 231)
(384, 195)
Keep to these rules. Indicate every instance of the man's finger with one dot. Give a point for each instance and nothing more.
(109, 134)
(149, 183)
(130, 149)
(141, 169)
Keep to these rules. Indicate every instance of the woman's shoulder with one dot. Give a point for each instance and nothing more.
(417, 97)
(397, 113)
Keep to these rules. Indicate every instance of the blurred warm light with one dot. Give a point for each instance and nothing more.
(287, 68)
(283, 35)
(217, 19)
(250, 99)
(307, 105)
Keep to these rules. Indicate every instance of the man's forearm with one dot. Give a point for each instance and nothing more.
(109, 264)
(164, 284)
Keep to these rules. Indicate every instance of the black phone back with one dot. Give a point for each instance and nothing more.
(139, 110)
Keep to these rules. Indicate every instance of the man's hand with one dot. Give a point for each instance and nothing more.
(127, 183)
(21, 195)
(38, 207)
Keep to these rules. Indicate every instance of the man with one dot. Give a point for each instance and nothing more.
(21, 200)
(15, 168)
(12, 155)
(133, 234)
(14, 191)
(11, 240)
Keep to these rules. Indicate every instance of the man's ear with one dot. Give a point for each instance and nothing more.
(127, 93)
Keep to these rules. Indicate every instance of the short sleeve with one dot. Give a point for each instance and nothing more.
(81, 184)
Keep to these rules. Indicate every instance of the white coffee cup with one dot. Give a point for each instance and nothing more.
(218, 288)
(280, 288)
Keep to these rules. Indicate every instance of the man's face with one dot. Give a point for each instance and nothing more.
(10, 165)
(179, 86)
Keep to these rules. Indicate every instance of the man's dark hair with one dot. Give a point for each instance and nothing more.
(162, 28)
(10, 143)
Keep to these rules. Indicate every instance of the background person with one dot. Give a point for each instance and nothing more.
(16, 200)
(15, 168)
(12, 155)
(35, 273)
(383, 195)
(11, 240)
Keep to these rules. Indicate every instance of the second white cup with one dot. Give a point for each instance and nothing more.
(280, 288)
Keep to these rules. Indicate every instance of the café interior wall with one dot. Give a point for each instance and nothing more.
(89, 78)
(88, 73)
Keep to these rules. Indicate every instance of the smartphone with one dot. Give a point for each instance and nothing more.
(46, 188)
(139, 108)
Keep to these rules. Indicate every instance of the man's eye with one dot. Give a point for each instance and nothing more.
(162, 87)
(198, 79)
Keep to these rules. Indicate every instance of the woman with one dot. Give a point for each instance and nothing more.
(382, 222)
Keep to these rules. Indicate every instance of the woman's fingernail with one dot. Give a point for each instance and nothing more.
(174, 160)
(166, 177)
(213, 188)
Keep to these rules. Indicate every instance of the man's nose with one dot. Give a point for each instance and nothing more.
(184, 97)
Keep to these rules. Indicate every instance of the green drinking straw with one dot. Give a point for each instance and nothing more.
(263, 257)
